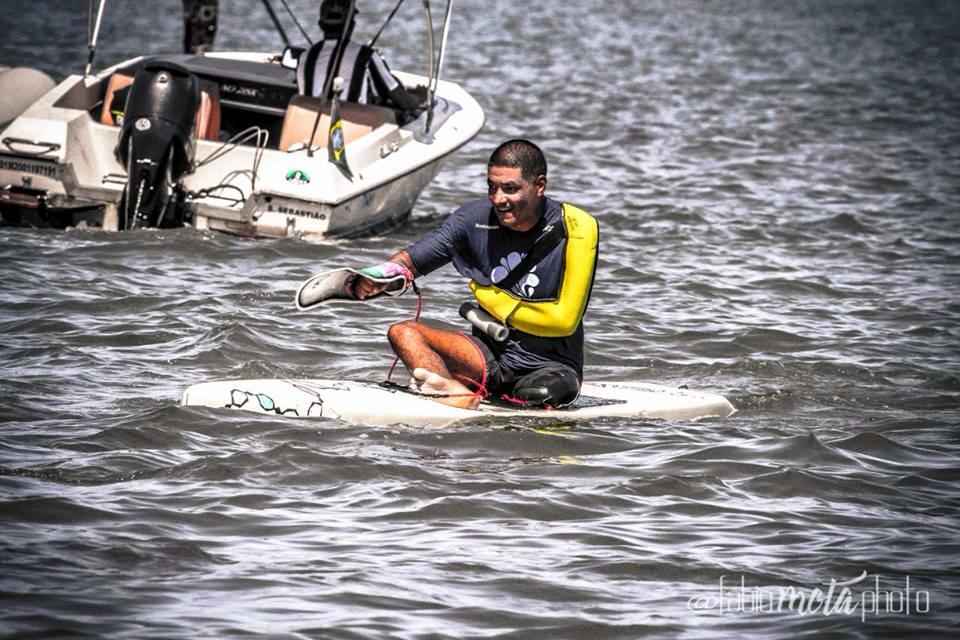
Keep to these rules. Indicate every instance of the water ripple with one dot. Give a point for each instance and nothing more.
(776, 186)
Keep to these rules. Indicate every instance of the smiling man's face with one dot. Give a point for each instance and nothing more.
(516, 201)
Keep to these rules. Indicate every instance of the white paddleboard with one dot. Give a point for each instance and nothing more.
(374, 404)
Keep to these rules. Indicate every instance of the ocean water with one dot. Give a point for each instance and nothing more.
(778, 190)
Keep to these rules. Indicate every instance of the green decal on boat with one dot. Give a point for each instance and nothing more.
(298, 175)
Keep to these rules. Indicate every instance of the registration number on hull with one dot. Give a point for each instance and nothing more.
(43, 168)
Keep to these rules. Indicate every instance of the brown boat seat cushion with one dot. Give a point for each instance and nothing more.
(208, 113)
(358, 121)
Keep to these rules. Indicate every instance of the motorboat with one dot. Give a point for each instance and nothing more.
(224, 141)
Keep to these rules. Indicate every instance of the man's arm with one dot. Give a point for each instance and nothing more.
(430, 252)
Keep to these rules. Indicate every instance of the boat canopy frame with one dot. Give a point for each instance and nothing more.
(435, 59)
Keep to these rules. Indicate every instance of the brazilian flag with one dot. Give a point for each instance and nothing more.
(336, 146)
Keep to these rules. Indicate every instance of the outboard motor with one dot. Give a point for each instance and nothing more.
(156, 144)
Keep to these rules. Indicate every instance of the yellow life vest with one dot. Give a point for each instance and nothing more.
(559, 317)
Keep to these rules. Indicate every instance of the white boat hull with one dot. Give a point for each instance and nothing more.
(57, 163)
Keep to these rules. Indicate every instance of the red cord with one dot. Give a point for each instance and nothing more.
(523, 403)
(481, 387)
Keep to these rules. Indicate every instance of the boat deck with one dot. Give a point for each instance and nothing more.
(251, 93)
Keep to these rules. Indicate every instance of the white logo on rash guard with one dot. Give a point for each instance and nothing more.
(507, 264)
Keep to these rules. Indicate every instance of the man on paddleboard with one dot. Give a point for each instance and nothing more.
(531, 262)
